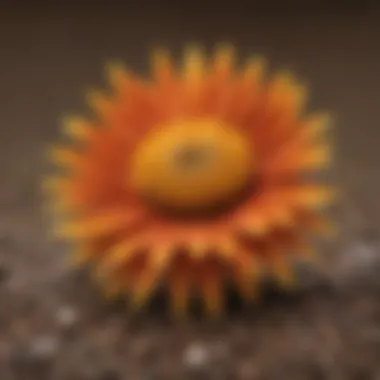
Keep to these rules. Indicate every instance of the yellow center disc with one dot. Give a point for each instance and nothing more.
(191, 165)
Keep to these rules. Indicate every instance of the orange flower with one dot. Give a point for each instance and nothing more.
(196, 178)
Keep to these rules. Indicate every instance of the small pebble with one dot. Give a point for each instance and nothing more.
(196, 356)
(359, 256)
(67, 317)
(44, 348)
(37, 355)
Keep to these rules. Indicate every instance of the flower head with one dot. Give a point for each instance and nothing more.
(196, 177)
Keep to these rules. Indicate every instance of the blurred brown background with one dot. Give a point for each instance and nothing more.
(53, 325)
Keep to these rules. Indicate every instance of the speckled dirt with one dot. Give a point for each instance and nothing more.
(53, 323)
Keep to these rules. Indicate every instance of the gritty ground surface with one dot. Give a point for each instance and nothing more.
(54, 325)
